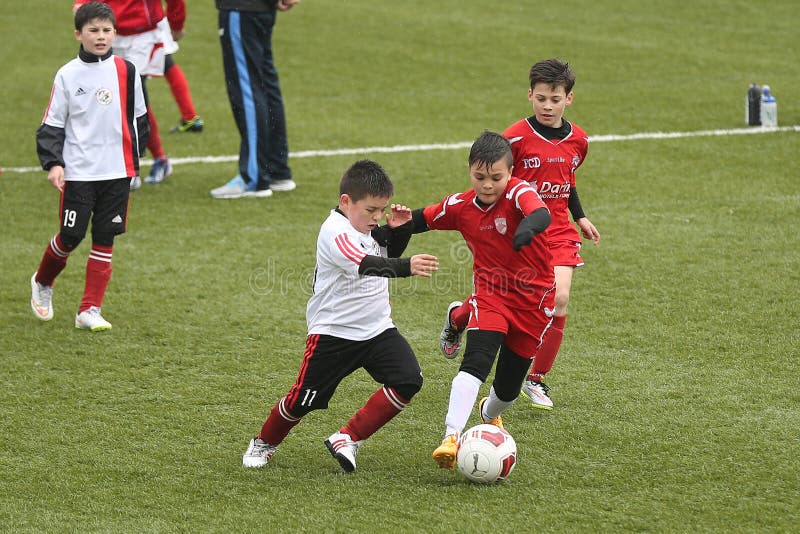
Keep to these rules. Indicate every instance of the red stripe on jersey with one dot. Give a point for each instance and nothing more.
(127, 144)
(311, 346)
(349, 250)
(49, 103)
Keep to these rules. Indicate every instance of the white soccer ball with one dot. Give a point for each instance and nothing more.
(486, 454)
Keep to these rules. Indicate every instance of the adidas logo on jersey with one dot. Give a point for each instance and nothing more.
(116, 219)
(80, 91)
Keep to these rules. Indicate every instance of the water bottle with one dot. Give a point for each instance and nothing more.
(769, 109)
(752, 109)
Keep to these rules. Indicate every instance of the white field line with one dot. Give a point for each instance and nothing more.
(457, 146)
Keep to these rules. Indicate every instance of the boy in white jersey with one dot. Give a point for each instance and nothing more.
(93, 131)
(349, 319)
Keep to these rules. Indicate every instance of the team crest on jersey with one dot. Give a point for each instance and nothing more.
(501, 225)
(576, 160)
(103, 96)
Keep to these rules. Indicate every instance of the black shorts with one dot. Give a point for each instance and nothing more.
(104, 202)
(387, 358)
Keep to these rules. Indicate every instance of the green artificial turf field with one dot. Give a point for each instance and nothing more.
(676, 389)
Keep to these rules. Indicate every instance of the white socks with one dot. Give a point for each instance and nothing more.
(493, 406)
(463, 393)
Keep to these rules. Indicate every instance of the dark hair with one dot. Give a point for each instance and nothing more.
(365, 178)
(489, 148)
(93, 10)
(553, 72)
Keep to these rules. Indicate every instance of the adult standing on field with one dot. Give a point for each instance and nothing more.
(245, 32)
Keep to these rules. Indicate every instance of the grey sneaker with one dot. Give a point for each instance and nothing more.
(538, 393)
(41, 299)
(283, 185)
(450, 338)
(238, 188)
(344, 449)
(91, 320)
(258, 453)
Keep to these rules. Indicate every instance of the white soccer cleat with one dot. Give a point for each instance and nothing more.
(344, 449)
(538, 393)
(41, 299)
(450, 338)
(91, 320)
(258, 453)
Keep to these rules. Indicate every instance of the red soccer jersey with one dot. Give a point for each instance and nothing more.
(550, 167)
(516, 276)
(139, 16)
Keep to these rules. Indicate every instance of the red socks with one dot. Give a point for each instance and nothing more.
(278, 424)
(53, 261)
(547, 353)
(98, 273)
(379, 410)
(154, 141)
(459, 317)
(180, 91)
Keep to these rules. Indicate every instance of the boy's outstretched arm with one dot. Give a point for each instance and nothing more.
(396, 233)
(420, 224)
(535, 223)
(417, 265)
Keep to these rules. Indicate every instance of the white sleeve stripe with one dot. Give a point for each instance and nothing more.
(350, 252)
(519, 190)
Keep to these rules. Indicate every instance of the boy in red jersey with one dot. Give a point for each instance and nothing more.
(547, 150)
(501, 219)
(93, 131)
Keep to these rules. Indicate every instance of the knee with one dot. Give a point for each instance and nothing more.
(71, 241)
(478, 364)
(104, 239)
(407, 390)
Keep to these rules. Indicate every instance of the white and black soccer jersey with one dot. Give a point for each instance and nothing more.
(93, 120)
(345, 304)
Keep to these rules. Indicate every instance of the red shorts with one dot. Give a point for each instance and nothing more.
(566, 252)
(523, 328)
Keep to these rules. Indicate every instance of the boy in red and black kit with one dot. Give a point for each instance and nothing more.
(93, 131)
(547, 151)
(143, 41)
(349, 319)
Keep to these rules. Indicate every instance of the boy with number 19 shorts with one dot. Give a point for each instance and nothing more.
(92, 134)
